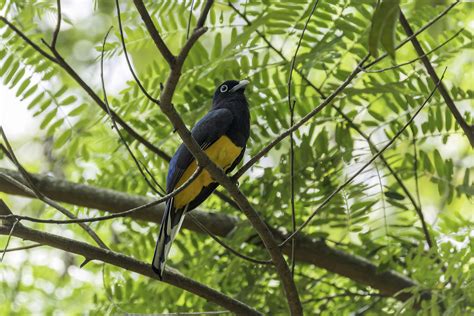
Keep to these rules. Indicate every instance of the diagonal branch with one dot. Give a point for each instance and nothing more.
(59, 60)
(171, 276)
(150, 26)
(374, 157)
(468, 130)
(372, 146)
(8, 151)
(302, 121)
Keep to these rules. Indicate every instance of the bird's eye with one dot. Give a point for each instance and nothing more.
(224, 88)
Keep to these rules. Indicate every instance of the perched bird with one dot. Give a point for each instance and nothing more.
(222, 133)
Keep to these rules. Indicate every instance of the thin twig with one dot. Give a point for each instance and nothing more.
(106, 217)
(124, 47)
(188, 27)
(346, 294)
(468, 130)
(415, 59)
(374, 157)
(8, 150)
(106, 102)
(9, 238)
(301, 122)
(415, 169)
(22, 248)
(223, 244)
(418, 32)
(291, 107)
(58, 25)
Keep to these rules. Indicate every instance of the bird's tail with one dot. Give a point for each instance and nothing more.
(170, 225)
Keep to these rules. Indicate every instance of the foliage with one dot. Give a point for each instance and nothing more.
(372, 217)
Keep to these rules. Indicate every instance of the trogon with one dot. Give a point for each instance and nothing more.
(222, 134)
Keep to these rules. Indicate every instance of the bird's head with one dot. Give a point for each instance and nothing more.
(230, 90)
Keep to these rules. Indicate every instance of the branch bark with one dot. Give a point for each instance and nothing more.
(155, 35)
(219, 175)
(468, 130)
(171, 276)
(308, 250)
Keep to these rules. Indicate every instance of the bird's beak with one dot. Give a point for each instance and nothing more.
(240, 86)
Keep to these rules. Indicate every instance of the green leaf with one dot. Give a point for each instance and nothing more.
(77, 110)
(394, 195)
(69, 100)
(22, 87)
(377, 116)
(383, 27)
(48, 118)
(439, 163)
(61, 140)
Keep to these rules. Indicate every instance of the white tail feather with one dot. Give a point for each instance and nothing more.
(166, 237)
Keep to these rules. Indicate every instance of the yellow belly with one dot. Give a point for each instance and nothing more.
(223, 153)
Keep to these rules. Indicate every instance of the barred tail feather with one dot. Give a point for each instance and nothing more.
(170, 225)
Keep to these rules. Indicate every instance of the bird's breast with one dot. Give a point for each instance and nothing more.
(223, 153)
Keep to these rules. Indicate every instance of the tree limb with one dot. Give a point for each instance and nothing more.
(37, 193)
(468, 130)
(219, 175)
(59, 60)
(307, 250)
(155, 35)
(171, 276)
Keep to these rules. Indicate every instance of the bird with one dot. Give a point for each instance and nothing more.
(222, 134)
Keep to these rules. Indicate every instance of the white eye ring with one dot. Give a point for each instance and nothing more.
(224, 88)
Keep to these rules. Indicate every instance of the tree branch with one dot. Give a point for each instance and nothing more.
(150, 26)
(37, 193)
(468, 130)
(219, 175)
(374, 157)
(307, 250)
(58, 59)
(171, 276)
(372, 146)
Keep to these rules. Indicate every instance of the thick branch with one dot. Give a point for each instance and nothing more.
(112, 201)
(128, 263)
(468, 130)
(307, 251)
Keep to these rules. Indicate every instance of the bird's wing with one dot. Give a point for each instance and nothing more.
(212, 126)
(209, 129)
